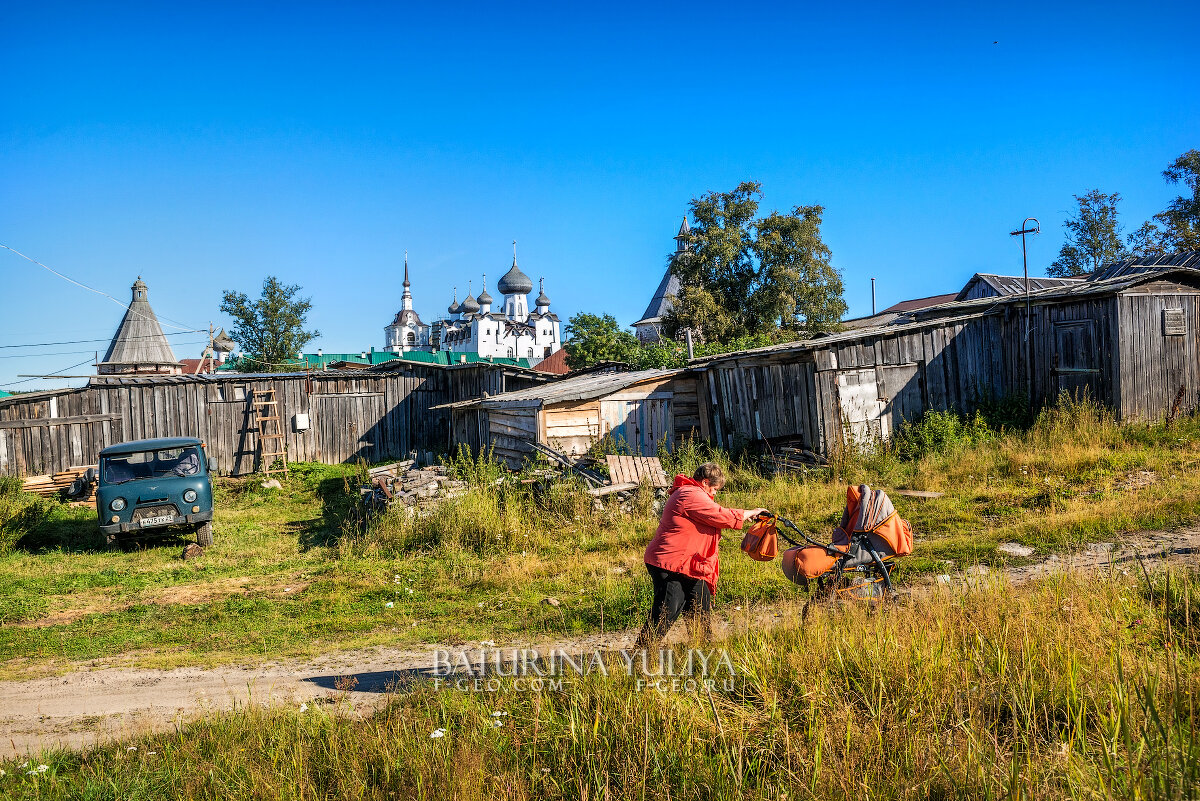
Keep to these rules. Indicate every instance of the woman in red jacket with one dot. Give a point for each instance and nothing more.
(682, 558)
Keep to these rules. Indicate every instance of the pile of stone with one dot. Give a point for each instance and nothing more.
(404, 483)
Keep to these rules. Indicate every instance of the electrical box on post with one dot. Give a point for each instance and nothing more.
(300, 421)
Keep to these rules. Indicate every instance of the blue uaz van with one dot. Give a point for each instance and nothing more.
(150, 485)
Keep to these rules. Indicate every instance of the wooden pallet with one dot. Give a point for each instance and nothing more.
(271, 447)
(637, 470)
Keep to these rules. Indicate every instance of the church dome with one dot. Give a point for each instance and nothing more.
(468, 306)
(484, 298)
(453, 307)
(515, 282)
(542, 300)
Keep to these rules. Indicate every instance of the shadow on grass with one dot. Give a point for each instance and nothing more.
(84, 535)
(70, 534)
(339, 505)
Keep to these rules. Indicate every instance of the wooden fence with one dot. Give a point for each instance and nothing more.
(350, 415)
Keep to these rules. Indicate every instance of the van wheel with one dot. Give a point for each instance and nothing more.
(204, 535)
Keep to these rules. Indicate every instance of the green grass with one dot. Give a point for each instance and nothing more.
(290, 576)
(1069, 688)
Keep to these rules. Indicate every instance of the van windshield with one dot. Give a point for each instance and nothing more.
(119, 468)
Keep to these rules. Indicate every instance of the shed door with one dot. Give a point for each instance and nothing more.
(901, 392)
(640, 424)
(1075, 359)
(862, 410)
(348, 426)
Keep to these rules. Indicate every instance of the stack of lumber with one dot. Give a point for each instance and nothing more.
(59, 484)
(402, 483)
(793, 460)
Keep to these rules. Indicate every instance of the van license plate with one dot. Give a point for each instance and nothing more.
(163, 520)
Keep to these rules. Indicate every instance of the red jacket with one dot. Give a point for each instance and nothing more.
(687, 537)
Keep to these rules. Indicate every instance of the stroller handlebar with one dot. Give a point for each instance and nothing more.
(829, 549)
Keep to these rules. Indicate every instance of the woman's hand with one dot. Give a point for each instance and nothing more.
(750, 514)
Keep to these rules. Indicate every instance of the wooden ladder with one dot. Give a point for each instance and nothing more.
(270, 437)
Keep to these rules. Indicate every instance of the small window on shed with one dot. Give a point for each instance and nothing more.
(1173, 322)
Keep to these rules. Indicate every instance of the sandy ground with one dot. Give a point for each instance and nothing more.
(91, 706)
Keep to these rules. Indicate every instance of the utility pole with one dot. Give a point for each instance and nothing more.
(690, 350)
(872, 297)
(1025, 229)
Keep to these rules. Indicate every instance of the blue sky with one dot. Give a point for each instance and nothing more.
(206, 147)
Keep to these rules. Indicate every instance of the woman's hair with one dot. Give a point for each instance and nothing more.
(710, 472)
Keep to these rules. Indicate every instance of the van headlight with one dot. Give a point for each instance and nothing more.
(117, 504)
(189, 495)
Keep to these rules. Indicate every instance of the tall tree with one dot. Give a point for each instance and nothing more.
(270, 329)
(1181, 219)
(592, 339)
(741, 274)
(1093, 236)
(1149, 241)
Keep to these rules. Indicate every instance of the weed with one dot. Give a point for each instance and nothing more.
(1057, 690)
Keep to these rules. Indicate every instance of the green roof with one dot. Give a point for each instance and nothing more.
(4, 394)
(313, 361)
(446, 357)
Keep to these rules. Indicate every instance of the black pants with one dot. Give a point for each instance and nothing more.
(674, 594)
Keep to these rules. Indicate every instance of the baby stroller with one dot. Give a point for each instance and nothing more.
(859, 561)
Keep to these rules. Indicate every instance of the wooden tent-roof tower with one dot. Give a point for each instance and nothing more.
(139, 346)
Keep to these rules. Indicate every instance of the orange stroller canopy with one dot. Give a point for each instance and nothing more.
(868, 512)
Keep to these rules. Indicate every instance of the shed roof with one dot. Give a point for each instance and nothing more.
(966, 309)
(1136, 264)
(581, 388)
(139, 338)
(1013, 284)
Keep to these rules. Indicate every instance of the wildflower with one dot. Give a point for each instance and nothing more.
(38, 769)
(130, 748)
(437, 733)
(151, 753)
(497, 723)
(303, 707)
(410, 592)
(2, 773)
(480, 604)
(24, 764)
(388, 605)
(487, 643)
(737, 608)
(499, 713)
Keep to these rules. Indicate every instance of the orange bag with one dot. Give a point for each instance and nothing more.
(762, 540)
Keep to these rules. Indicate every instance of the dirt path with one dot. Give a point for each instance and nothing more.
(91, 706)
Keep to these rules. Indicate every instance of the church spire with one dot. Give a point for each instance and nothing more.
(406, 298)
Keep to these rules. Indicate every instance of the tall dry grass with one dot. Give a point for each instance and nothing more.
(1074, 688)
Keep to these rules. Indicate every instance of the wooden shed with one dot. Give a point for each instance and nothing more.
(1130, 337)
(642, 410)
(328, 416)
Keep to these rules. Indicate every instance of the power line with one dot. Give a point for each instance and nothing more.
(67, 278)
(65, 369)
(106, 339)
(75, 352)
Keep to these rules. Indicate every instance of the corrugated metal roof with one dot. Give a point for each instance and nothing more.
(584, 387)
(1014, 284)
(1135, 265)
